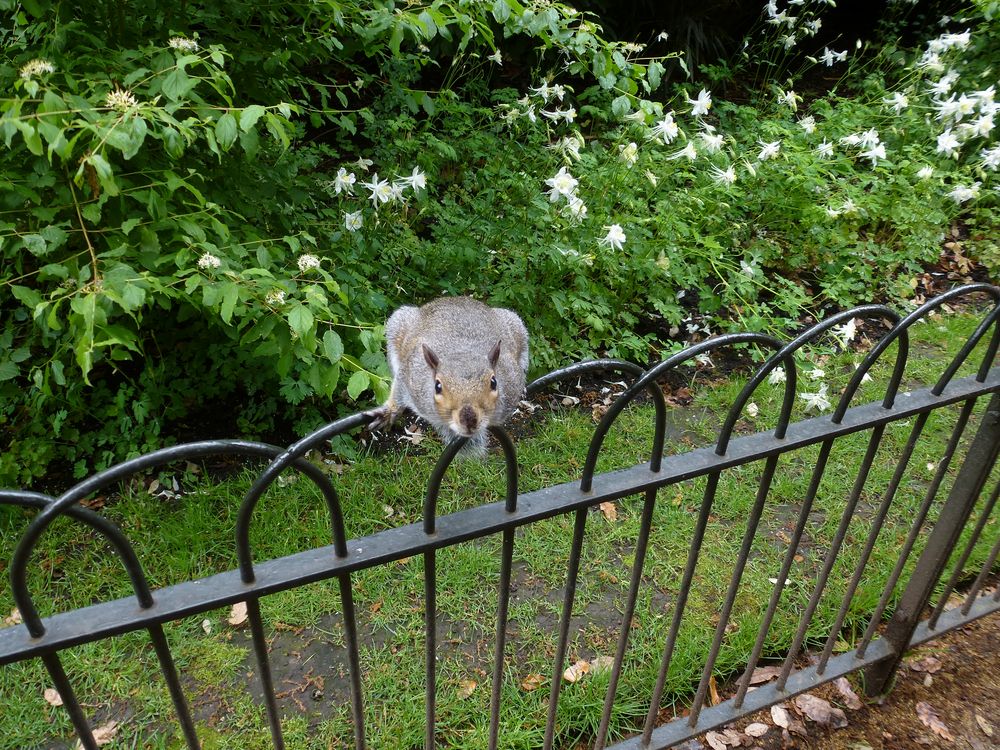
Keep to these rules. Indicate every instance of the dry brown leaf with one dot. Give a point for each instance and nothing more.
(104, 734)
(713, 691)
(929, 664)
(610, 511)
(206, 625)
(238, 614)
(52, 697)
(465, 689)
(757, 729)
(575, 671)
(732, 738)
(14, 618)
(984, 725)
(851, 699)
(602, 664)
(929, 717)
(715, 741)
(375, 606)
(780, 716)
(820, 710)
(764, 674)
(532, 682)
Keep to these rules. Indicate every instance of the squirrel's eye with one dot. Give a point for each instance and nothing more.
(493, 383)
(437, 386)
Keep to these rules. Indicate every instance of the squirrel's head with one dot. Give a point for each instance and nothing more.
(465, 390)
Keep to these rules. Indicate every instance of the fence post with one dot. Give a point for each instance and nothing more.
(955, 513)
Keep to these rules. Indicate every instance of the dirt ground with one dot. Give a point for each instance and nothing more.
(954, 679)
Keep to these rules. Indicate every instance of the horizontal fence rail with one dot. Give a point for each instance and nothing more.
(968, 507)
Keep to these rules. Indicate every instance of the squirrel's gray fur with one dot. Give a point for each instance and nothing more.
(457, 363)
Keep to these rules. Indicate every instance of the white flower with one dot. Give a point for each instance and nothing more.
(666, 128)
(36, 67)
(558, 91)
(120, 99)
(569, 146)
(832, 212)
(353, 221)
(985, 97)
(874, 153)
(825, 149)
(307, 262)
(816, 374)
(788, 41)
(849, 207)
(776, 376)
(829, 57)
(207, 261)
(662, 36)
(789, 98)
(898, 102)
(816, 401)
(808, 124)
(615, 238)
(723, 176)
(653, 179)
(869, 138)
(845, 333)
(344, 182)
(931, 61)
(812, 27)
(962, 194)
(562, 184)
(712, 141)
(496, 58)
(948, 144)
(702, 104)
(768, 150)
(544, 91)
(569, 115)
(991, 158)
(982, 126)
(416, 181)
(629, 153)
(182, 44)
(362, 163)
(748, 269)
(925, 173)
(577, 209)
(944, 84)
(381, 190)
(689, 152)
(396, 190)
(275, 297)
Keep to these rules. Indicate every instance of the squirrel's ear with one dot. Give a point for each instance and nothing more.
(495, 354)
(430, 357)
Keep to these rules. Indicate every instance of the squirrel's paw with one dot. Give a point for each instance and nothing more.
(381, 418)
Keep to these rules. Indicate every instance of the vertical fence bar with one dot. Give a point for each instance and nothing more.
(675, 625)
(981, 578)
(918, 522)
(169, 671)
(353, 659)
(957, 508)
(264, 666)
(642, 542)
(831, 555)
(572, 571)
(70, 702)
(430, 653)
(957, 573)
(734, 586)
(506, 558)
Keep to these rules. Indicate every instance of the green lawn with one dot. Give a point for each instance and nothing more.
(192, 536)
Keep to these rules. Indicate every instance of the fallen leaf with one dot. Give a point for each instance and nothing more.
(570, 401)
(851, 699)
(929, 664)
(388, 511)
(820, 710)
(715, 741)
(14, 618)
(757, 729)
(375, 606)
(238, 614)
(713, 691)
(764, 674)
(206, 625)
(104, 734)
(929, 717)
(465, 688)
(780, 716)
(52, 697)
(609, 510)
(532, 682)
(984, 725)
(575, 671)
(602, 664)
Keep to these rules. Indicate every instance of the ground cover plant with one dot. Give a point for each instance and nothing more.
(185, 530)
(197, 209)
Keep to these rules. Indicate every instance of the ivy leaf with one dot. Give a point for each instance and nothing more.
(225, 131)
(357, 384)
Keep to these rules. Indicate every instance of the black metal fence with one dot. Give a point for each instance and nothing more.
(877, 654)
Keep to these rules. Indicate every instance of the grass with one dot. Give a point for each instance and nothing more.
(192, 536)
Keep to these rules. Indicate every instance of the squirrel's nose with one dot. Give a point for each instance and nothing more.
(467, 418)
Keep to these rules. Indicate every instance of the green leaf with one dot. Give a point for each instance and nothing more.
(8, 370)
(129, 224)
(31, 138)
(357, 384)
(230, 297)
(133, 297)
(249, 116)
(333, 347)
(226, 130)
(654, 73)
(300, 320)
(428, 104)
(501, 11)
(57, 372)
(177, 84)
(34, 244)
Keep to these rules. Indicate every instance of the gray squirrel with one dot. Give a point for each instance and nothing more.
(457, 363)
